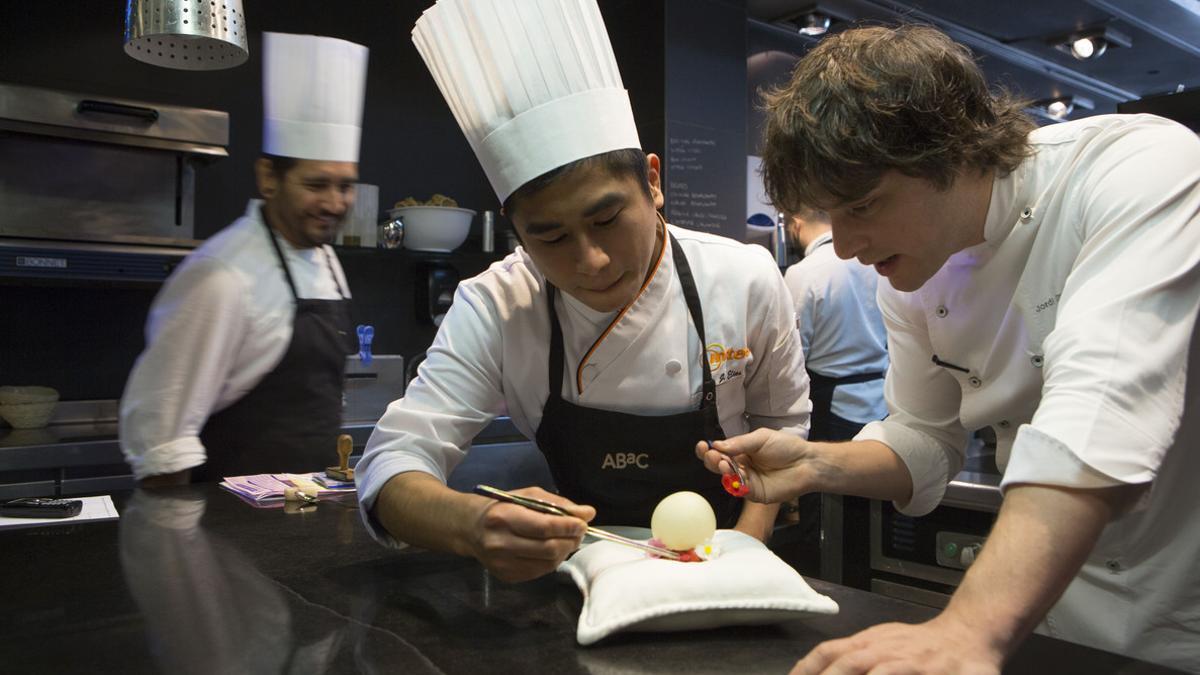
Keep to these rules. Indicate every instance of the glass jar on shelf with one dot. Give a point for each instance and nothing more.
(391, 231)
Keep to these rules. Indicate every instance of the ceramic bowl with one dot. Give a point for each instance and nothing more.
(440, 229)
(13, 395)
(28, 415)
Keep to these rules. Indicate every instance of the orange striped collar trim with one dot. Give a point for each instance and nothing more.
(662, 227)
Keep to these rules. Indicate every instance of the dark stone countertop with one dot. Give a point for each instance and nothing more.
(192, 579)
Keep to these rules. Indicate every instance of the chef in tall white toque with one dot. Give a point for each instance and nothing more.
(246, 342)
(615, 340)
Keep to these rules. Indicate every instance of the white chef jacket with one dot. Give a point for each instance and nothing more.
(221, 322)
(841, 329)
(492, 353)
(1074, 319)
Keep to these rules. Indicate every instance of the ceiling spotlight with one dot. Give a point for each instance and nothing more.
(1088, 48)
(814, 19)
(1058, 108)
(1091, 43)
(813, 23)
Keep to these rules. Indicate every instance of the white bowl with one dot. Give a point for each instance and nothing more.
(28, 415)
(434, 228)
(11, 395)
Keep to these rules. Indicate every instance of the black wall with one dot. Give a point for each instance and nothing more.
(704, 166)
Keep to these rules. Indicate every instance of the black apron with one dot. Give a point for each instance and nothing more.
(624, 464)
(289, 422)
(824, 425)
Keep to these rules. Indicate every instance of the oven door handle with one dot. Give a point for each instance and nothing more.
(88, 106)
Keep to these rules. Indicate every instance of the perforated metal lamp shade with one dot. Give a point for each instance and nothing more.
(186, 34)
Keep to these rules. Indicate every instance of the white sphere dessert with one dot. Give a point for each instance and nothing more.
(683, 520)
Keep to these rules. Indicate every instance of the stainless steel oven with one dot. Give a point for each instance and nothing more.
(99, 189)
(923, 559)
(83, 167)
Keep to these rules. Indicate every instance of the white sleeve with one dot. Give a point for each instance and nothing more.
(922, 426)
(776, 383)
(455, 395)
(1115, 362)
(195, 327)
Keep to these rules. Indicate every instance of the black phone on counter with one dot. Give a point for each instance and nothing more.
(40, 507)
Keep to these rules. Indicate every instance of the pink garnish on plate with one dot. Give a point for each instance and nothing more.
(690, 555)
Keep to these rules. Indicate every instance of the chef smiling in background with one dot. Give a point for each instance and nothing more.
(614, 339)
(246, 342)
(1043, 282)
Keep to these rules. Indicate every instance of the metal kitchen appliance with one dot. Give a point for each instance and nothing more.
(370, 386)
(923, 559)
(99, 169)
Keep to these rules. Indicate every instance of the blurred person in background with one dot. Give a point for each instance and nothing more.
(247, 340)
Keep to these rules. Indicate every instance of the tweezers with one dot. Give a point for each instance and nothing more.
(737, 468)
(546, 507)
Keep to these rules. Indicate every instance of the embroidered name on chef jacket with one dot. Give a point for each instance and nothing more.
(1047, 303)
(724, 361)
(625, 460)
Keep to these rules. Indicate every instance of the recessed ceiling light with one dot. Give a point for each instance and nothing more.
(1088, 48)
(813, 23)
(1090, 43)
(1060, 108)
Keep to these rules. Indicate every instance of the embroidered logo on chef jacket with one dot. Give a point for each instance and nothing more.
(718, 354)
(625, 460)
(724, 362)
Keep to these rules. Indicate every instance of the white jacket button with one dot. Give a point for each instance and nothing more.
(1037, 360)
(941, 311)
(975, 381)
(673, 367)
(1027, 214)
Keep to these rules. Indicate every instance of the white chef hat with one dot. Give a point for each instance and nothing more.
(533, 83)
(312, 96)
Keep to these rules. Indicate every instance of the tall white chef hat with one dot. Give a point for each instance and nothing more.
(533, 83)
(312, 96)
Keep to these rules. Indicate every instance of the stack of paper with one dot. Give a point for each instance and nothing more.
(94, 508)
(269, 487)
